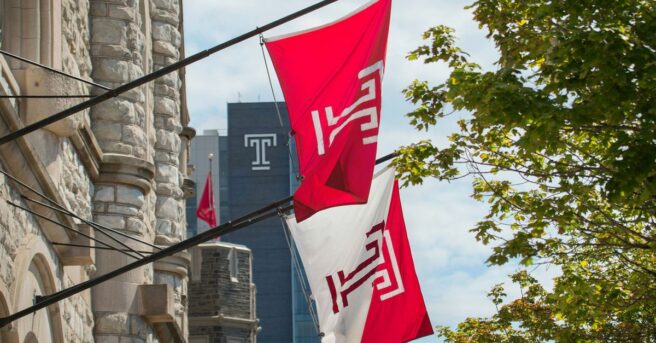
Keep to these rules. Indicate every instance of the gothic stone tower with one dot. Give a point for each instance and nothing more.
(122, 164)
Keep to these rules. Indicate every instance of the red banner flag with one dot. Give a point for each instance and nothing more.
(331, 78)
(206, 211)
(360, 269)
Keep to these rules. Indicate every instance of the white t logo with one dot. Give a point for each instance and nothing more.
(260, 142)
(351, 113)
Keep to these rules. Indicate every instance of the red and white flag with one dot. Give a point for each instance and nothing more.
(331, 78)
(360, 269)
(206, 211)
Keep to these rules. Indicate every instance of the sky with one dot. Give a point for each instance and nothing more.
(450, 263)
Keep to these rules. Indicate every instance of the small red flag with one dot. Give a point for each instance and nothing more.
(206, 211)
(331, 78)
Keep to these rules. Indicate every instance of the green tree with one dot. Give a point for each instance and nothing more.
(561, 142)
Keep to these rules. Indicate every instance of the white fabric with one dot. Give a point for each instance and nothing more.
(334, 240)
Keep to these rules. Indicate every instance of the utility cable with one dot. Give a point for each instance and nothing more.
(68, 228)
(45, 96)
(301, 279)
(266, 66)
(275, 104)
(95, 247)
(101, 231)
(231, 226)
(94, 225)
(157, 74)
(23, 59)
(64, 210)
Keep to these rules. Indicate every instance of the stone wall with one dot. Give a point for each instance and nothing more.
(76, 59)
(166, 50)
(222, 297)
(21, 244)
(50, 163)
(170, 224)
(118, 56)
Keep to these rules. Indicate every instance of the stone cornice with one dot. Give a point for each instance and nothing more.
(176, 264)
(224, 246)
(188, 188)
(222, 320)
(188, 132)
(127, 170)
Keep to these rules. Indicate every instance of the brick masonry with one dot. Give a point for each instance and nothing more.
(221, 301)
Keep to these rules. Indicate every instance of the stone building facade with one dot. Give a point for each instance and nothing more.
(121, 164)
(222, 295)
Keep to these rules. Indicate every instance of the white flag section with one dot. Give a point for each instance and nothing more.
(360, 269)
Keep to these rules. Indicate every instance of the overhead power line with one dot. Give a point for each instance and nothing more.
(171, 250)
(101, 231)
(71, 229)
(159, 73)
(23, 59)
(59, 208)
(45, 96)
(94, 247)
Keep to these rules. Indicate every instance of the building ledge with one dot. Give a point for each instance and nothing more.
(188, 188)
(127, 170)
(222, 320)
(177, 264)
(156, 303)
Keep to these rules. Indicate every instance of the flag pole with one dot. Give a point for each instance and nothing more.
(210, 157)
(159, 73)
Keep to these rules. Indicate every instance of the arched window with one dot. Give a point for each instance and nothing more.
(31, 338)
(37, 280)
(39, 283)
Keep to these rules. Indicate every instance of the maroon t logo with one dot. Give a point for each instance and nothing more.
(378, 264)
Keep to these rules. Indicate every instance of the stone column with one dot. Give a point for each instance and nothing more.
(170, 224)
(121, 200)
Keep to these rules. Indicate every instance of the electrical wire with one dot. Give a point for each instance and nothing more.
(69, 228)
(23, 59)
(297, 267)
(65, 211)
(231, 226)
(93, 247)
(101, 231)
(45, 96)
(158, 73)
(275, 104)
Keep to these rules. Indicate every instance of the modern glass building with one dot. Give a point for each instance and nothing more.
(253, 166)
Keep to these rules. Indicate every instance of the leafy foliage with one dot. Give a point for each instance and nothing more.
(562, 142)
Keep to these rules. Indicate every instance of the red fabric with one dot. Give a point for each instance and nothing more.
(401, 318)
(334, 71)
(206, 211)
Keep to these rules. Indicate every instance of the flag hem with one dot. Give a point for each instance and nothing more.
(381, 171)
(300, 32)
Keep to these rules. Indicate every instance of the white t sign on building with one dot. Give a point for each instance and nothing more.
(260, 142)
